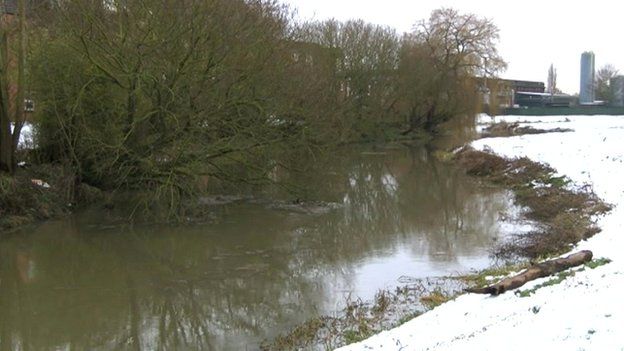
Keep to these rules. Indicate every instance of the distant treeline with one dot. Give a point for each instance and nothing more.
(158, 95)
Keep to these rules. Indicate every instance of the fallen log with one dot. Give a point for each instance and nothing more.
(539, 270)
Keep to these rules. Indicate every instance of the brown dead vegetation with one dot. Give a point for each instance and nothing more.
(359, 320)
(505, 129)
(565, 216)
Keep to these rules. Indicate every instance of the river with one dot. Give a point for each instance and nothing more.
(253, 269)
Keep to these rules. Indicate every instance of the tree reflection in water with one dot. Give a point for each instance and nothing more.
(91, 282)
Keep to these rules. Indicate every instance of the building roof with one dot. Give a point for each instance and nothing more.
(525, 82)
(541, 94)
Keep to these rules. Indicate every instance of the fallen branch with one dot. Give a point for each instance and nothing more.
(539, 270)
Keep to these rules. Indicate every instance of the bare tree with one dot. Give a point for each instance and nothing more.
(449, 50)
(552, 80)
(603, 77)
(366, 59)
(463, 44)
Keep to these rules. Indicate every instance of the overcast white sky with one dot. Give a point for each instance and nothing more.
(533, 34)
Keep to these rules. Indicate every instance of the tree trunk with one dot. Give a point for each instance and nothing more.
(6, 149)
(21, 80)
(540, 270)
(11, 104)
(430, 123)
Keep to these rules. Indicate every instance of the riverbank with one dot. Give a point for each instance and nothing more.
(549, 217)
(581, 311)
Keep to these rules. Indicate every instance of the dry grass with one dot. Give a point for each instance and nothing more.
(360, 320)
(481, 164)
(303, 336)
(434, 299)
(505, 129)
(565, 216)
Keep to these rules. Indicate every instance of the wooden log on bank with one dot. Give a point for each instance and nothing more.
(539, 270)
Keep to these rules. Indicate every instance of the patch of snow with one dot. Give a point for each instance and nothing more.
(585, 311)
(40, 183)
(26, 140)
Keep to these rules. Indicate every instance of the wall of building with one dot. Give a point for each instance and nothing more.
(527, 99)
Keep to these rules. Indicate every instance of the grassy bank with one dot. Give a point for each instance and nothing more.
(360, 320)
(564, 214)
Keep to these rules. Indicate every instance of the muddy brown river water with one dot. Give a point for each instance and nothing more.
(254, 269)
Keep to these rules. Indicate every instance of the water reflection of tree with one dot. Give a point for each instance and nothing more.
(403, 197)
(146, 291)
(253, 273)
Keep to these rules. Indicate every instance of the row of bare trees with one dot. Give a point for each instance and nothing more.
(155, 94)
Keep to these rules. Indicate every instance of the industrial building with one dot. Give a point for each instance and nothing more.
(529, 99)
(501, 93)
(587, 93)
(505, 93)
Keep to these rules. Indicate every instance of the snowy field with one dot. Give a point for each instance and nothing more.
(585, 311)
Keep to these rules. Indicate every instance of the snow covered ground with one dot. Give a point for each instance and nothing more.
(585, 311)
